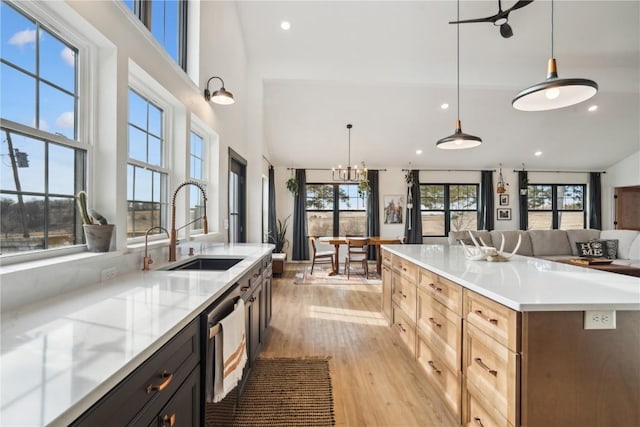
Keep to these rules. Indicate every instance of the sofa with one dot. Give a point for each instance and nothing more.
(558, 244)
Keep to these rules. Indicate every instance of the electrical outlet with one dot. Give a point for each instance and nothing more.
(109, 273)
(601, 319)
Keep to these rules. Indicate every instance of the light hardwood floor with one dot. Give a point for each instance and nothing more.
(375, 380)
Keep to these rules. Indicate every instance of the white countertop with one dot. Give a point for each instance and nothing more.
(526, 283)
(59, 357)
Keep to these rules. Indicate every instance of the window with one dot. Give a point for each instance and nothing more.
(448, 207)
(326, 218)
(196, 172)
(167, 21)
(556, 206)
(43, 163)
(146, 176)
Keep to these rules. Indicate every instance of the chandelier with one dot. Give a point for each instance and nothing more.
(349, 173)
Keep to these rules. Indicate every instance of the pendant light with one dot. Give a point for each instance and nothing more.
(554, 93)
(459, 140)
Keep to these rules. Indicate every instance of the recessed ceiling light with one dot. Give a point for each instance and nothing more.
(444, 106)
(593, 108)
(418, 152)
(538, 153)
(285, 25)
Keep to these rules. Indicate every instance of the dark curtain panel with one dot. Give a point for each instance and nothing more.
(485, 205)
(523, 199)
(300, 245)
(373, 209)
(271, 209)
(595, 201)
(413, 220)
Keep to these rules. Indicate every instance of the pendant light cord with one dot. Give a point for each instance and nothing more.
(458, 53)
(552, 28)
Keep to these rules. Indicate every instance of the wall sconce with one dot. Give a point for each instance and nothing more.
(220, 96)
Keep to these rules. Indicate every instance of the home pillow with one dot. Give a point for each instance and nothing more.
(598, 249)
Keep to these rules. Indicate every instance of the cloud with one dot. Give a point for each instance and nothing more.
(65, 120)
(68, 56)
(23, 37)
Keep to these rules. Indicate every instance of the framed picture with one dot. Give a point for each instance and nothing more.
(504, 200)
(393, 208)
(504, 213)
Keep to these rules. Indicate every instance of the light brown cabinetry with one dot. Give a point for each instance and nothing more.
(386, 285)
(403, 300)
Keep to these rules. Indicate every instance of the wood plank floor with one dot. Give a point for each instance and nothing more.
(375, 380)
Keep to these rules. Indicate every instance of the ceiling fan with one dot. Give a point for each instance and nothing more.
(500, 19)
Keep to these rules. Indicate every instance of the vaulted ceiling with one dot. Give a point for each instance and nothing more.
(386, 67)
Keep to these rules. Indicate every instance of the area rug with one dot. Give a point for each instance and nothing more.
(321, 276)
(284, 392)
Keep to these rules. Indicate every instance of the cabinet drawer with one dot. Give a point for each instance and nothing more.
(445, 291)
(151, 385)
(446, 381)
(478, 413)
(184, 407)
(496, 320)
(405, 328)
(493, 369)
(404, 295)
(442, 328)
(405, 268)
(386, 258)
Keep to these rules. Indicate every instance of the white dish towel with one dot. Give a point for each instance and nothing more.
(231, 352)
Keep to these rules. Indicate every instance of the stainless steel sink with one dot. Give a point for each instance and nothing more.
(206, 263)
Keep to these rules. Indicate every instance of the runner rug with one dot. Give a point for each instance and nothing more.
(321, 276)
(283, 392)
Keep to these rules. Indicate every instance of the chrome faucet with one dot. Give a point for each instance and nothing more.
(147, 261)
(173, 234)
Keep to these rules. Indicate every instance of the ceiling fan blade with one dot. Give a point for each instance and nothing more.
(506, 31)
(519, 4)
(468, 21)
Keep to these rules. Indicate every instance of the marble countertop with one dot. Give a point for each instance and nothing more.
(526, 283)
(60, 356)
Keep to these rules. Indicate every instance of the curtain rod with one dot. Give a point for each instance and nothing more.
(328, 169)
(541, 171)
(449, 170)
(267, 160)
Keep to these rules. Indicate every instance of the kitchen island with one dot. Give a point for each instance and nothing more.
(61, 356)
(511, 343)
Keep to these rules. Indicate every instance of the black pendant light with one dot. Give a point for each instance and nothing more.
(554, 93)
(459, 140)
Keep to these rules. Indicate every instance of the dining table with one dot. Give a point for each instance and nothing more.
(336, 241)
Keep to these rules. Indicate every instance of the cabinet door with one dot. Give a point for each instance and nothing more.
(387, 277)
(183, 409)
(253, 324)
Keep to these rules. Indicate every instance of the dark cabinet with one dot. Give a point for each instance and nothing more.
(182, 409)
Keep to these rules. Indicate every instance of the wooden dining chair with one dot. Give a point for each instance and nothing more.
(320, 256)
(357, 252)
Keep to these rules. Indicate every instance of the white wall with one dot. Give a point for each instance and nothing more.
(625, 173)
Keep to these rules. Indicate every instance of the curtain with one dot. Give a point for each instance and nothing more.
(373, 209)
(595, 200)
(413, 223)
(523, 199)
(272, 227)
(300, 245)
(485, 205)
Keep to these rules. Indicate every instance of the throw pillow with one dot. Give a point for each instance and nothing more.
(592, 249)
(610, 248)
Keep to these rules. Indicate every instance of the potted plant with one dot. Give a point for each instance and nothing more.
(279, 238)
(363, 188)
(292, 185)
(97, 231)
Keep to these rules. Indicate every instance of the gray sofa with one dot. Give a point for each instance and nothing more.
(558, 244)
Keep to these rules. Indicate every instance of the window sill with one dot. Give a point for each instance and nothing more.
(19, 266)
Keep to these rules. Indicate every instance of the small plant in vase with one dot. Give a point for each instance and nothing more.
(97, 231)
(279, 239)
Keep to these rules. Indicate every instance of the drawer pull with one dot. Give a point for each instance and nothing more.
(245, 288)
(403, 295)
(252, 299)
(433, 366)
(401, 328)
(168, 420)
(477, 421)
(166, 376)
(434, 287)
(255, 276)
(487, 318)
(485, 367)
(434, 322)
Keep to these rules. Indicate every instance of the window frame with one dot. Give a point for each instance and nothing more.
(198, 130)
(555, 217)
(52, 18)
(336, 211)
(447, 204)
